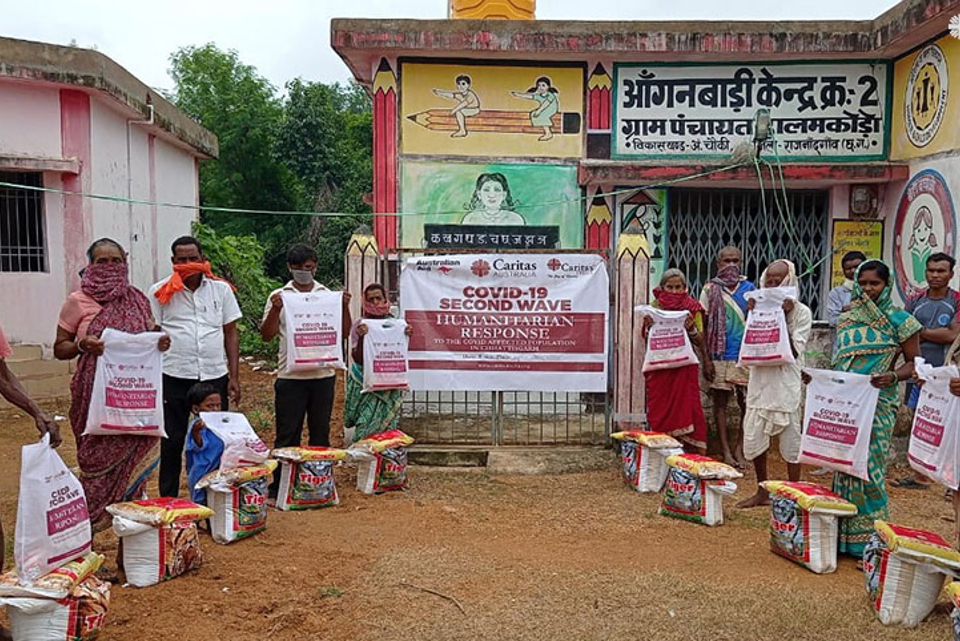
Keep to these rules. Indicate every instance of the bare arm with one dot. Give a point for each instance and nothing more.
(911, 349)
(941, 335)
(12, 390)
(270, 326)
(357, 351)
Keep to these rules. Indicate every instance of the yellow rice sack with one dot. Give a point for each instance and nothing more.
(653, 440)
(309, 453)
(376, 443)
(160, 511)
(703, 467)
(918, 544)
(55, 585)
(811, 497)
(224, 480)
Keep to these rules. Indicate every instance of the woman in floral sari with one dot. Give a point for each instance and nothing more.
(112, 468)
(870, 337)
(369, 412)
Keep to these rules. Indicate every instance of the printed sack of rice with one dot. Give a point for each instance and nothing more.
(314, 322)
(238, 498)
(695, 488)
(381, 461)
(79, 616)
(643, 456)
(936, 423)
(904, 569)
(385, 355)
(766, 341)
(953, 593)
(306, 477)
(803, 523)
(668, 345)
(56, 585)
(241, 445)
(838, 420)
(158, 538)
(127, 386)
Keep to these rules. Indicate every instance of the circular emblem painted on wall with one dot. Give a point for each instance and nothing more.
(926, 224)
(926, 96)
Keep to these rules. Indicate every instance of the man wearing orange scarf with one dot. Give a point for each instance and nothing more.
(199, 312)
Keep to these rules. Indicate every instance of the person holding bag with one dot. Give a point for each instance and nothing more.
(369, 412)
(870, 336)
(673, 395)
(773, 394)
(112, 468)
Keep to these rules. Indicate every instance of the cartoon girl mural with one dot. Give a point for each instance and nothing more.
(492, 203)
(922, 242)
(548, 104)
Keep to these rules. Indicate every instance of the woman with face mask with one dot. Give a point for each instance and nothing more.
(112, 468)
(302, 394)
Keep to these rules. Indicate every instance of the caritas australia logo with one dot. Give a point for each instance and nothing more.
(480, 268)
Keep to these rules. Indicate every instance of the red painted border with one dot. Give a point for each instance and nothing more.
(75, 143)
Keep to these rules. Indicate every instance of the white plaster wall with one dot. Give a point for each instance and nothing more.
(30, 302)
(948, 165)
(177, 183)
(29, 120)
(108, 151)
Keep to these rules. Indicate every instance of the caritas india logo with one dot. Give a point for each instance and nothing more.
(554, 264)
(480, 268)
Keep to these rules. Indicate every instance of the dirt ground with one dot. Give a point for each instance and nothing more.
(578, 556)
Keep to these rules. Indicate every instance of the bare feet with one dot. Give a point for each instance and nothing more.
(729, 460)
(760, 498)
(458, 134)
(545, 137)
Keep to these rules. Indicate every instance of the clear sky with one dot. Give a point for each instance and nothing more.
(286, 39)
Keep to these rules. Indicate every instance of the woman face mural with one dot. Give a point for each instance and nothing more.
(492, 203)
(491, 196)
(922, 242)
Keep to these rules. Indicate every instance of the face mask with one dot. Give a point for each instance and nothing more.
(302, 276)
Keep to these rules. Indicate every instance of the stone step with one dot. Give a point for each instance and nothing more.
(44, 388)
(26, 353)
(445, 456)
(37, 369)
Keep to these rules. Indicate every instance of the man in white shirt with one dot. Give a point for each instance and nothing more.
(200, 313)
(299, 395)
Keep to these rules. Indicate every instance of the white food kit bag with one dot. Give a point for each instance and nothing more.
(78, 617)
(668, 345)
(128, 386)
(643, 458)
(241, 445)
(766, 339)
(239, 513)
(153, 553)
(838, 420)
(384, 355)
(314, 330)
(936, 422)
(53, 525)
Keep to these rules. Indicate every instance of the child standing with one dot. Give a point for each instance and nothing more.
(204, 448)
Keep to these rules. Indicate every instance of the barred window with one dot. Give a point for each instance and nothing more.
(701, 221)
(23, 238)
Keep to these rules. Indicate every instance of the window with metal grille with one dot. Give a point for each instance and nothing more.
(23, 239)
(702, 221)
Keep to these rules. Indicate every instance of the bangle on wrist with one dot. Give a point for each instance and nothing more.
(79, 344)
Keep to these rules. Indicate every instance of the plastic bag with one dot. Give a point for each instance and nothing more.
(241, 445)
(384, 471)
(934, 440)
(838, 420)
(314, 330)
(56, 585)
(53, 525)
(152, 554)
(643, 468)
(77, 617)
(668, 345)
(901, 578)
(306, 485)
(238, 512)
(766, 339)
(128, 386)
(803, 523)
(160, 511)
(688, 497)
(385, 355)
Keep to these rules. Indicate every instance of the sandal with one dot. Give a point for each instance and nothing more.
(909, 484)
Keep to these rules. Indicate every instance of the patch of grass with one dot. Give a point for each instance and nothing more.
(330, 592)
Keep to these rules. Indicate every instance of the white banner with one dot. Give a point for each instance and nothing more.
(510, 322)
(818, 110)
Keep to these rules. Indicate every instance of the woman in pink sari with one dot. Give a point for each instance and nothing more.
(112, 468)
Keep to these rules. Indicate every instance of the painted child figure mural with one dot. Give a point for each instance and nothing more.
(468, 103)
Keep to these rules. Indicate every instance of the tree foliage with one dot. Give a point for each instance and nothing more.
(307, 150)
